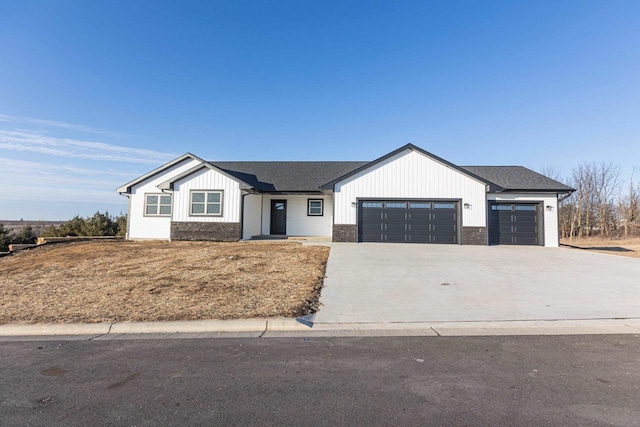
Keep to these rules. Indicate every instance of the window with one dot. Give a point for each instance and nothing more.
(444, 206)
(525, 207)
(500, 207)
(315, 207)
(206, 203)
(420, 205)
(372, 204)
(395, 205)
(157, 205)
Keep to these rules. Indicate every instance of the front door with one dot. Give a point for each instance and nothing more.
(278, 217)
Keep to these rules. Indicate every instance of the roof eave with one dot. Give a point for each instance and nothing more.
(536, 190)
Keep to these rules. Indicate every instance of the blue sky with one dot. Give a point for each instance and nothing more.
(94, 94)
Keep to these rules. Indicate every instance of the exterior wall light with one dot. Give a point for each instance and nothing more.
(467, 205)
(549, 208)
(354, 204)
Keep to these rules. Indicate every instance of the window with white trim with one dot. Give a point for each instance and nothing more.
(315, 207)
(206, 203)
(157, 204)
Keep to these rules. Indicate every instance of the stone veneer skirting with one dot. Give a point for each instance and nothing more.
(474, 235)
(345, 233)
(214, 231)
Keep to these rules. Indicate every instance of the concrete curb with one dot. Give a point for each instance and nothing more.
(190, 326)
(13, 330)
(281, 327)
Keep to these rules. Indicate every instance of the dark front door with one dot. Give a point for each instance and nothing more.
(278, 217)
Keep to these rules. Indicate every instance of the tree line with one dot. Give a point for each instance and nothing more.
(25, 235)
(603, 204)
(100, 224)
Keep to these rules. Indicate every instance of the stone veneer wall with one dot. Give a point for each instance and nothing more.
(345, 233)
(214, 231)
(474, 235)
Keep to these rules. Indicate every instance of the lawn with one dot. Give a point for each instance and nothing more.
(625, 247)
(152, 281)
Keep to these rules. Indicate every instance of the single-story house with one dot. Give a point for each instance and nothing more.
(408, 196)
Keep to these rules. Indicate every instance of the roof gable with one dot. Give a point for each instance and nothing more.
(332, 183)
(168, 184)
(126, 188)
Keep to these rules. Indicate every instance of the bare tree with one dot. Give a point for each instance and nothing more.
(606, 185)
(629, 205)
(552, 172)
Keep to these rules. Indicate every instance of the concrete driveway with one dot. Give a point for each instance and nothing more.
(370, 282)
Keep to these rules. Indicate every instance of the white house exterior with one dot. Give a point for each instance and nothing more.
(407, 196)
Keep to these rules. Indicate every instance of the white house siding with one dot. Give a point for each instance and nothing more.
(251, 220)
(550, 217)
(298, 222)
(152, 227)
(206, 179)
(410, 174)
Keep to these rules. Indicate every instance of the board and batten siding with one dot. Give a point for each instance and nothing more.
(298, 222)
(152, 227)
(411, 175)
(251, 221)
(206, 179)
(550, 217)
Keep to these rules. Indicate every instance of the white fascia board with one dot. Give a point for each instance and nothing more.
(126, 188)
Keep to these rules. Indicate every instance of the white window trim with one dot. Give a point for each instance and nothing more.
(221, 192)
(309, 207)
(159, 204)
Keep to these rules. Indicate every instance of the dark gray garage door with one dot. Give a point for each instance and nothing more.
(408, 221)
(515, 224)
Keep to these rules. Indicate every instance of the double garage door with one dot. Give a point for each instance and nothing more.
(408, 221)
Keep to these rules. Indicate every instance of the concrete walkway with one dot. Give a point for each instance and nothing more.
(395, 283)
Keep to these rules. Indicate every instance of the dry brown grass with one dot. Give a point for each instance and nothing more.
(151, 281)
(625, 247)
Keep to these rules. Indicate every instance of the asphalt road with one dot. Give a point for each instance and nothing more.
(539, 380)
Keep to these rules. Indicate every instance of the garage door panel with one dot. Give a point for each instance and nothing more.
(418, 227)
(395, 227)
(441, 221)
(525, 230)
(443, 229)
(418, 238)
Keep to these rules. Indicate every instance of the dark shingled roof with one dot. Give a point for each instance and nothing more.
(516, 178)
(287, 176)
(309, 176)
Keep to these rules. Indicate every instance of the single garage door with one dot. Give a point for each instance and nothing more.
(408, 221)
(515, 224)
